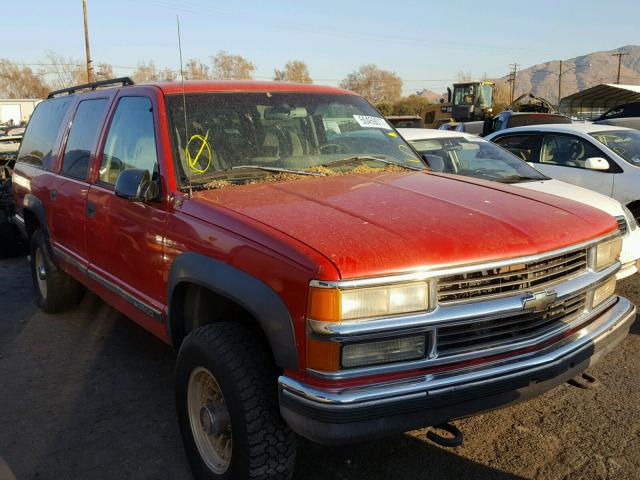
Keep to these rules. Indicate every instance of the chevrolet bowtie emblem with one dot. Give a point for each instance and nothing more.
(539, 302)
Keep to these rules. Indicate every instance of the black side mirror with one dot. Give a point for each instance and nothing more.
(136, 186)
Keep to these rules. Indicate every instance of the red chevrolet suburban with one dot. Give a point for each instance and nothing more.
(312, 273)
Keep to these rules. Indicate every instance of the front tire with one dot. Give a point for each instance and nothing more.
(227, 405)
(56, 291)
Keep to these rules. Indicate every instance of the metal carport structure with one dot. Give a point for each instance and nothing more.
(596, 100)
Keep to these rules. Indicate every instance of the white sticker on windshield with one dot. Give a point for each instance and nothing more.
(371, 122)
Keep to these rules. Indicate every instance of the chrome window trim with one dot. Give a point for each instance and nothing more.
(444, 270)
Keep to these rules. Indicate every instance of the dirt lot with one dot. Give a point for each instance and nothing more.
(90, 395)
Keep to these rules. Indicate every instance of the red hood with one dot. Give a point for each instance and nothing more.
(378, 224)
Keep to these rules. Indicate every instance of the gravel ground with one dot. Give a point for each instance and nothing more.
(90, 395)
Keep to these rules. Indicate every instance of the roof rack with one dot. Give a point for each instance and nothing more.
(124, 81)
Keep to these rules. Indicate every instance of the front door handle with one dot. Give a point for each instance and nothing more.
(91, 209)
(53, 195)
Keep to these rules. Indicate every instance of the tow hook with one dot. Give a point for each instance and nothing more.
(584, 380)
(454, 441)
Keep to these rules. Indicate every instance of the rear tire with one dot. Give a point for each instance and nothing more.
(255, 441)
(56, 291)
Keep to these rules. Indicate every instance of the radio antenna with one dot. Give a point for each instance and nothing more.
(184, 107)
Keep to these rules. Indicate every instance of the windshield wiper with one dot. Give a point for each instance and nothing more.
(518, 178)
(278, 170)
(360, 158)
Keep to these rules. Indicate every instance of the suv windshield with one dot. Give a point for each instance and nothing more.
(475, 157)
(625, 143)
(233, 137)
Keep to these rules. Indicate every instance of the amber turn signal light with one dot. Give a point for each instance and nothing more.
(324, 304)
(323, 356)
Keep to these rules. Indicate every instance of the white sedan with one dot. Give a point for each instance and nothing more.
(603, 158)
(464, 154)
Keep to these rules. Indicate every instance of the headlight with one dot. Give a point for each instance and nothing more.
(604, 291)
(607, 253)
(631, 220)
(335, 305)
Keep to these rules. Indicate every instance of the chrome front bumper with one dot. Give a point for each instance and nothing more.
(353, 414)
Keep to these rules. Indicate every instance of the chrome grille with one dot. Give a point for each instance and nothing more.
(498, 282)
(622, 225)
(487, 333)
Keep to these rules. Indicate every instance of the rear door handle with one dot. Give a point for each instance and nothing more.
(91, 209)
(54, 195)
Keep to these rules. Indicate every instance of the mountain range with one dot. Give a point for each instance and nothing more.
(579, 73)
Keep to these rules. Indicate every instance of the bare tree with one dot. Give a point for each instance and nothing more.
(64, 72)
(411, 105)
(145, 72)
(294, 71)
(231, 67)
(196, 70)
(103, 71)
(463, 77)
(168, 75)
(20, 82)
(375, 84)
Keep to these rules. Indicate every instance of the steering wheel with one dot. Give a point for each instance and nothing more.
(337, 148)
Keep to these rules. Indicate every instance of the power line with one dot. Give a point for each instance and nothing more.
(259, 77)
(200, 11)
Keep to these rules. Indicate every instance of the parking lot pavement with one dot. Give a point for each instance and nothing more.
(90, 395)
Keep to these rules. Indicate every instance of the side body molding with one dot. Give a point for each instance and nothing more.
(253, 295)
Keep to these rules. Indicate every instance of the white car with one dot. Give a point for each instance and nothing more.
(603, 158)
(464, 154)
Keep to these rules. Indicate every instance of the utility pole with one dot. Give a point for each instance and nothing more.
(86, 42)
(619, 55)
(512, 80)
(560, 84)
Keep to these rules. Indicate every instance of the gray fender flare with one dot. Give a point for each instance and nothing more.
(34, 205)
(255, 296)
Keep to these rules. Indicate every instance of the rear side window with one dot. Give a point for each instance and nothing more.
(83, 137)
(539, 119)
(43, 129)
(131, 140)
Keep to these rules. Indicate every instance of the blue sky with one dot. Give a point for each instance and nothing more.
(425, 42)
